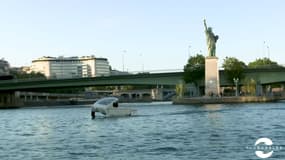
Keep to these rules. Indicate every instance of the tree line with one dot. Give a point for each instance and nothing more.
(194, 70)
(19, 74)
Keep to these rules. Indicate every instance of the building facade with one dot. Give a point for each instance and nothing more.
(71, 67)
(4, 67)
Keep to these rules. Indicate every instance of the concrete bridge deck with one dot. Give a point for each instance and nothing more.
(262, 76)
(8, 87)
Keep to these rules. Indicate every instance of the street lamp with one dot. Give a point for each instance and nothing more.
(236, 83)
(189, 46)
(123, 59)
(141, 58)
(268, 52)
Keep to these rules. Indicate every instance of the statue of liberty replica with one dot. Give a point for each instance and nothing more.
(212, 82)
(211, 40)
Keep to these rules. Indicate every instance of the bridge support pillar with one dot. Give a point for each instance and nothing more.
(9, 99)
(140, 95)
(282, 89)
(157, 94)
(259, 90)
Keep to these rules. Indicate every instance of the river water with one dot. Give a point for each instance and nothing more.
(157, 131)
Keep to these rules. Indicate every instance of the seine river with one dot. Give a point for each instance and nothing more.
(157, 131)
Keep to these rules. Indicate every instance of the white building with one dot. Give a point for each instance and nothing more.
(4, 67)
(71, 67)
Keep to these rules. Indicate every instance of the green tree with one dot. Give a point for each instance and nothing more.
(233, 68)
(180, 89)
(24, 75)
(263, 63)
(194, 70)
(249, 86)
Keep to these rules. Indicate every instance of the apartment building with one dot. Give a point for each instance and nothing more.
(71, 67)
(4, 67)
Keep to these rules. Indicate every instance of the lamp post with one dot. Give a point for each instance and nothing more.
(236, 83)
(189, 46)
(141, 58)
(123, 59)
(268, 52)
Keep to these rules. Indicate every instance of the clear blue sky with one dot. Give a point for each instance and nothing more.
(149, 34)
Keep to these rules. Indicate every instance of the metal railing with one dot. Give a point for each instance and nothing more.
(128, 73)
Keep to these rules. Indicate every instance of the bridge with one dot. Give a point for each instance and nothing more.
(262, 76)
(131, 79)
(8, 87)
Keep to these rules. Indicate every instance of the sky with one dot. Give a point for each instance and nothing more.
(136, 35)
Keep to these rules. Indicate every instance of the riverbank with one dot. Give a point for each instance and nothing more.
(184, 100)
(220, 100)
(67, 102)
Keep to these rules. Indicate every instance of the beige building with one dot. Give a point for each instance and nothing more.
(4, 67)
(71, 67)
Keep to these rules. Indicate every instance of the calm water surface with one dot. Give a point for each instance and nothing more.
(157, 131)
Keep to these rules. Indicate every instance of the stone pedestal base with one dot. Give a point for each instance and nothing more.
(212, 81)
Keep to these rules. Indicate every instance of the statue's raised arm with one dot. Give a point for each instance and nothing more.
(205, 24)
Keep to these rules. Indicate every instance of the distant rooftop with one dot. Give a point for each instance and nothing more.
(45, 58)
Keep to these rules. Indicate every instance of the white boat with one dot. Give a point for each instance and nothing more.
(109, 107)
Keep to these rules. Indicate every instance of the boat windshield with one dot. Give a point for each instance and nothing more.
(107, 101)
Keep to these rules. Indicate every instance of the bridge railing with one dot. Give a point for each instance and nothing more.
(156, 71)
(23, 80)
(127, 73)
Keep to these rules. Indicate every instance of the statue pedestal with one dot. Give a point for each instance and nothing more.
(212, 81)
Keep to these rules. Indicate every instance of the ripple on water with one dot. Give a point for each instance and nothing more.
(26, 134)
